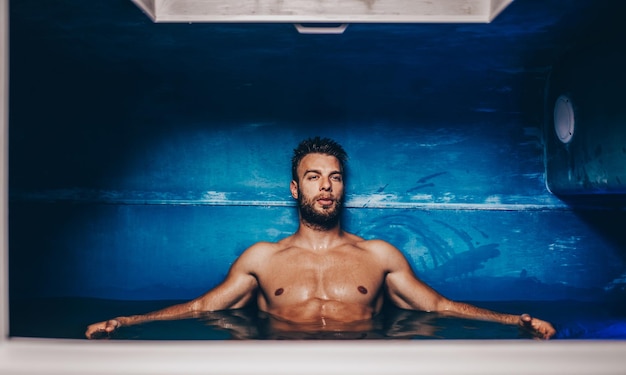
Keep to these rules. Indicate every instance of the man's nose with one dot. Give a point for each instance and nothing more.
(326, 185)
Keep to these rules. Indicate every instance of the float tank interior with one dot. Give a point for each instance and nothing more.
(145, 157)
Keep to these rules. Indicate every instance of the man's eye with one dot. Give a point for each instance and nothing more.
(336, 178)
(313, 177)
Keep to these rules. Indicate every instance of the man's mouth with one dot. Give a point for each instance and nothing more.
(324, 201)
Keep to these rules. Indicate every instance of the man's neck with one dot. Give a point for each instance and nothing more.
(315, 238)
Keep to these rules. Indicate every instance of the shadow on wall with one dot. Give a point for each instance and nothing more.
(500, 255)
(585, 133)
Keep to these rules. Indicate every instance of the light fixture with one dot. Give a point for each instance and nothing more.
(323, 11)
(564, 119)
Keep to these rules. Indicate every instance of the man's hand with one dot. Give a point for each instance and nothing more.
(536, 327)
(99, 330)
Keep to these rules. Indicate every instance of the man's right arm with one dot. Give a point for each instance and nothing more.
(234, 292)
(406, 291)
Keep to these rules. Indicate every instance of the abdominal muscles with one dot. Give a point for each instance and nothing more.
(322, 311)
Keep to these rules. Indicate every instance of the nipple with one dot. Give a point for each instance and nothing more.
(280, 291)
(362, 289)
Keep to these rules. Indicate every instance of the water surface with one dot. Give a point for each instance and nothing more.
(69, 317)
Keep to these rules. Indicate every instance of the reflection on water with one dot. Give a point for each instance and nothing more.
(69, 317)
(250, 324)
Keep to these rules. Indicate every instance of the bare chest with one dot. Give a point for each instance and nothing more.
(292, 277)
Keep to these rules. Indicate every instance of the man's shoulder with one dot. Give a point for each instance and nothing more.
(263, 247)
(373, 244)
(387, 255)
(257, 254)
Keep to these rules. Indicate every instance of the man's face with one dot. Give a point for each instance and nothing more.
(320, 190)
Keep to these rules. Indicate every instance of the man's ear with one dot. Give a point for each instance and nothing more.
(294, 189)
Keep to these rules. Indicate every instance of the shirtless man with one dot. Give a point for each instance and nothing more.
(322, 274)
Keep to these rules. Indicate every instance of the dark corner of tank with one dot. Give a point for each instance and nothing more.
(584, 134)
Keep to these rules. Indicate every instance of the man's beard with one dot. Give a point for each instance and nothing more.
(324, 220)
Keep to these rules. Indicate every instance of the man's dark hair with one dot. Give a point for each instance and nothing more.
(317, 145)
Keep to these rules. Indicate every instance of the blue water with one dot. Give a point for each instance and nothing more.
(68, 318)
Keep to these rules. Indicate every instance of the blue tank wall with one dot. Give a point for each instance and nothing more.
(594, 160)
(143, 162)
(470, 211)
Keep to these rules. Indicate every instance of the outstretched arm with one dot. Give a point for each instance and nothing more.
(537, 327)
(408, 292)
(234, 292)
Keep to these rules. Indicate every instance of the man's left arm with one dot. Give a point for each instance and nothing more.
(408, 292)
(537, 327)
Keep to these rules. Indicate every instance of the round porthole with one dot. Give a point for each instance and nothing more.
(564, 118)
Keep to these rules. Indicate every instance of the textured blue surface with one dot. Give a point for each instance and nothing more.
(178, 251)
(594, 160)
(144, 158)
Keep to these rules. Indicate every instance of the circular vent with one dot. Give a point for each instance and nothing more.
(564, 119)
